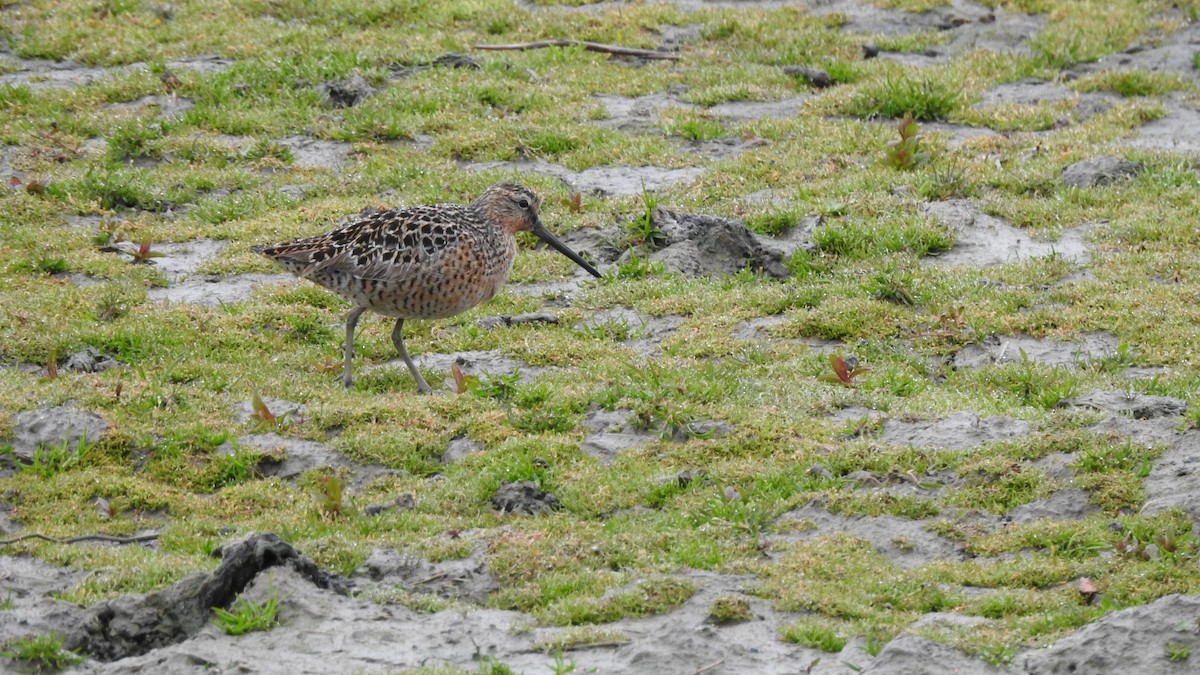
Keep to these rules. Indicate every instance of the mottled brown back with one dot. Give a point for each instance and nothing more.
(419, 262)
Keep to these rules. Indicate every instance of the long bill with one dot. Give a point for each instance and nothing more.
(548, 237)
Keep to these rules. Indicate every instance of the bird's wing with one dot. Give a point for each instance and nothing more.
(387, 246)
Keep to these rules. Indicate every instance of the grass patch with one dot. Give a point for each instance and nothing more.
(857, 239)
(44, 653)
(910, 5)
(1129, 83)
(247, 616)
(579, 637)
(814, 634)
(925, 97)
(729, 609)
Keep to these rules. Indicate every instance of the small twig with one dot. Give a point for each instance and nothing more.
(86, 537)
(590, 46)
(601, 645)
(710, 666)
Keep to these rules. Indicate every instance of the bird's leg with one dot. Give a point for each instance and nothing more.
(351, 323)
(397, 340)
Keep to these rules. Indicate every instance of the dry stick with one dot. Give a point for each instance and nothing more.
(87, 537)
(590, 46)
(710, 666)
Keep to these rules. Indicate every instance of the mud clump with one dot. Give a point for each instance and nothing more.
(458, 448)
(133, 625)
(814, 76)
(1097, 171)
(347, 93)
(699, 245)
(285, 457)
(1069, 504)
(89, 360)
(524, 497)
(58, 426)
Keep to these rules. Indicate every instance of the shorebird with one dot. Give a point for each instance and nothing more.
(420, 262)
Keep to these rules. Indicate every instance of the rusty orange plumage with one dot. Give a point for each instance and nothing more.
(420, 262)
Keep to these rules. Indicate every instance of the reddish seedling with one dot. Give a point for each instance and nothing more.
(1088, 590)
(332, 492)
(35, 186)
(261, 411)
(107, 236)
(143, 254)
(905, 153)
(845, 374)
(574, 201)
(463, 383)
(1166, 543)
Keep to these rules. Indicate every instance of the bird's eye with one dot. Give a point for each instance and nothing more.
(524, 203)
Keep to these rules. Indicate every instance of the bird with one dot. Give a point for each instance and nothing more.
(420, 262)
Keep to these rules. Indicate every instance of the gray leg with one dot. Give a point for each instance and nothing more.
(351, 323)
(412, 367)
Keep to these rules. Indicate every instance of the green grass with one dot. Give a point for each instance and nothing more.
(814, 634)
(1076, 33)
(44, 653)
(925, 97)
(578, 638)
(694, 127)
(247, 615)
(614, 549)
(48, 460)
(910, 5)
(1130, 83)
(728, 609)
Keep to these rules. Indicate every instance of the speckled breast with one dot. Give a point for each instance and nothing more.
(458, 279)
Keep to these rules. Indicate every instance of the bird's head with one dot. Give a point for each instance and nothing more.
(515, 209)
